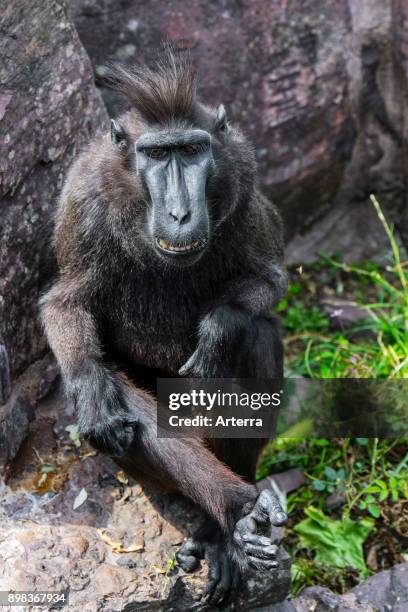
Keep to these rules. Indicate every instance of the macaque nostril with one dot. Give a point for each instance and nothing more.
(180, 216)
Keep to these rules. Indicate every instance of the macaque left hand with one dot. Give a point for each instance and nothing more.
(258, 549)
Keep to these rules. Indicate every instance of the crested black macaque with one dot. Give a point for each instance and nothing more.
(170, 261)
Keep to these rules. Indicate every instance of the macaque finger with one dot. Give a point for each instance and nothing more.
(261, 552)
(262, 564)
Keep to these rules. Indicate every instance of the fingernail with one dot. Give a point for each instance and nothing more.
(281, 516)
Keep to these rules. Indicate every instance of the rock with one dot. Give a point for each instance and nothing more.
(116, 551)
(337, 499)
(66, 554)
(15, 417)
(5, 387)
(343, 314)
(320, 599)
(49, 108)
(386, 591)
(17, 413)
(287, 481)
(377, 82)
(320, 94)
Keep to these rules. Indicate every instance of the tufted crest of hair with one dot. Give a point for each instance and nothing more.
(160, 94)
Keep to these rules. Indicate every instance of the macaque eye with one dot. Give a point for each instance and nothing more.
(156, 153)
(191, 149)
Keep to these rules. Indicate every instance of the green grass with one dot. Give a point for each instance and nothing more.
(337, 545)
(374, 348)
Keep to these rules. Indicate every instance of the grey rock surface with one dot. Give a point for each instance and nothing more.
(49, 108)
(386, 591)
(19, 409)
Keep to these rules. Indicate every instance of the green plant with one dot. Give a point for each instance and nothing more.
(353, 470)
(376, 347)
(74, 435)
(334, 480)
(336, 543)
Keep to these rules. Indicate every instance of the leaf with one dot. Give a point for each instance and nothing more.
(374, 510)
(393, 482)
(372, 489)
(383, 495)
(80, 498)
(330, 473)
(336, 543)
(362, 441)
(118, 546)
(122, 478)
(382, 484)
(46, 469)
(74, 434)
(318, 485)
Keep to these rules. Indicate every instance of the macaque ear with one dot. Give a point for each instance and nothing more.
(221, 119)
(118, 135)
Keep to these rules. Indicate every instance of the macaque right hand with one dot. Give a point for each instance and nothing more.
(105, 417)
(258, 550)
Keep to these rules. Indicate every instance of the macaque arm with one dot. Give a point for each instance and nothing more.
(70, 327)
(256, 295)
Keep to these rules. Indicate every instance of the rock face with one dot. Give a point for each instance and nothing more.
(19, 410)
(319, 92)
(116, 550)
(48, 109)
(384, 592)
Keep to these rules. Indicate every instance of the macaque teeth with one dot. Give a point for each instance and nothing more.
(179, 247)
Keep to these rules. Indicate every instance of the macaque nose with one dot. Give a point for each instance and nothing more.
(181, 215)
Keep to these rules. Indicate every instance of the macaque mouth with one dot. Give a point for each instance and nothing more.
(181, 247)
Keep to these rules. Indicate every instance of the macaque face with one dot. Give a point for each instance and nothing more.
(174, 167)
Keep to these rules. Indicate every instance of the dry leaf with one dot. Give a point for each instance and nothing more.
(372, 561)
(118, 546)
(80, 498)
(121, 477)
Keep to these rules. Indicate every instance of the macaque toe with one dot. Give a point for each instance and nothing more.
(223, 576)
(189, 555)
(262, 564)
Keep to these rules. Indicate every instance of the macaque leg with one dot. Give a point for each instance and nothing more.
(265, 360)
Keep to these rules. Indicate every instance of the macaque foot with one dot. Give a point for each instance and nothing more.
(258, 549)
(224, 575)
(189, 554)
